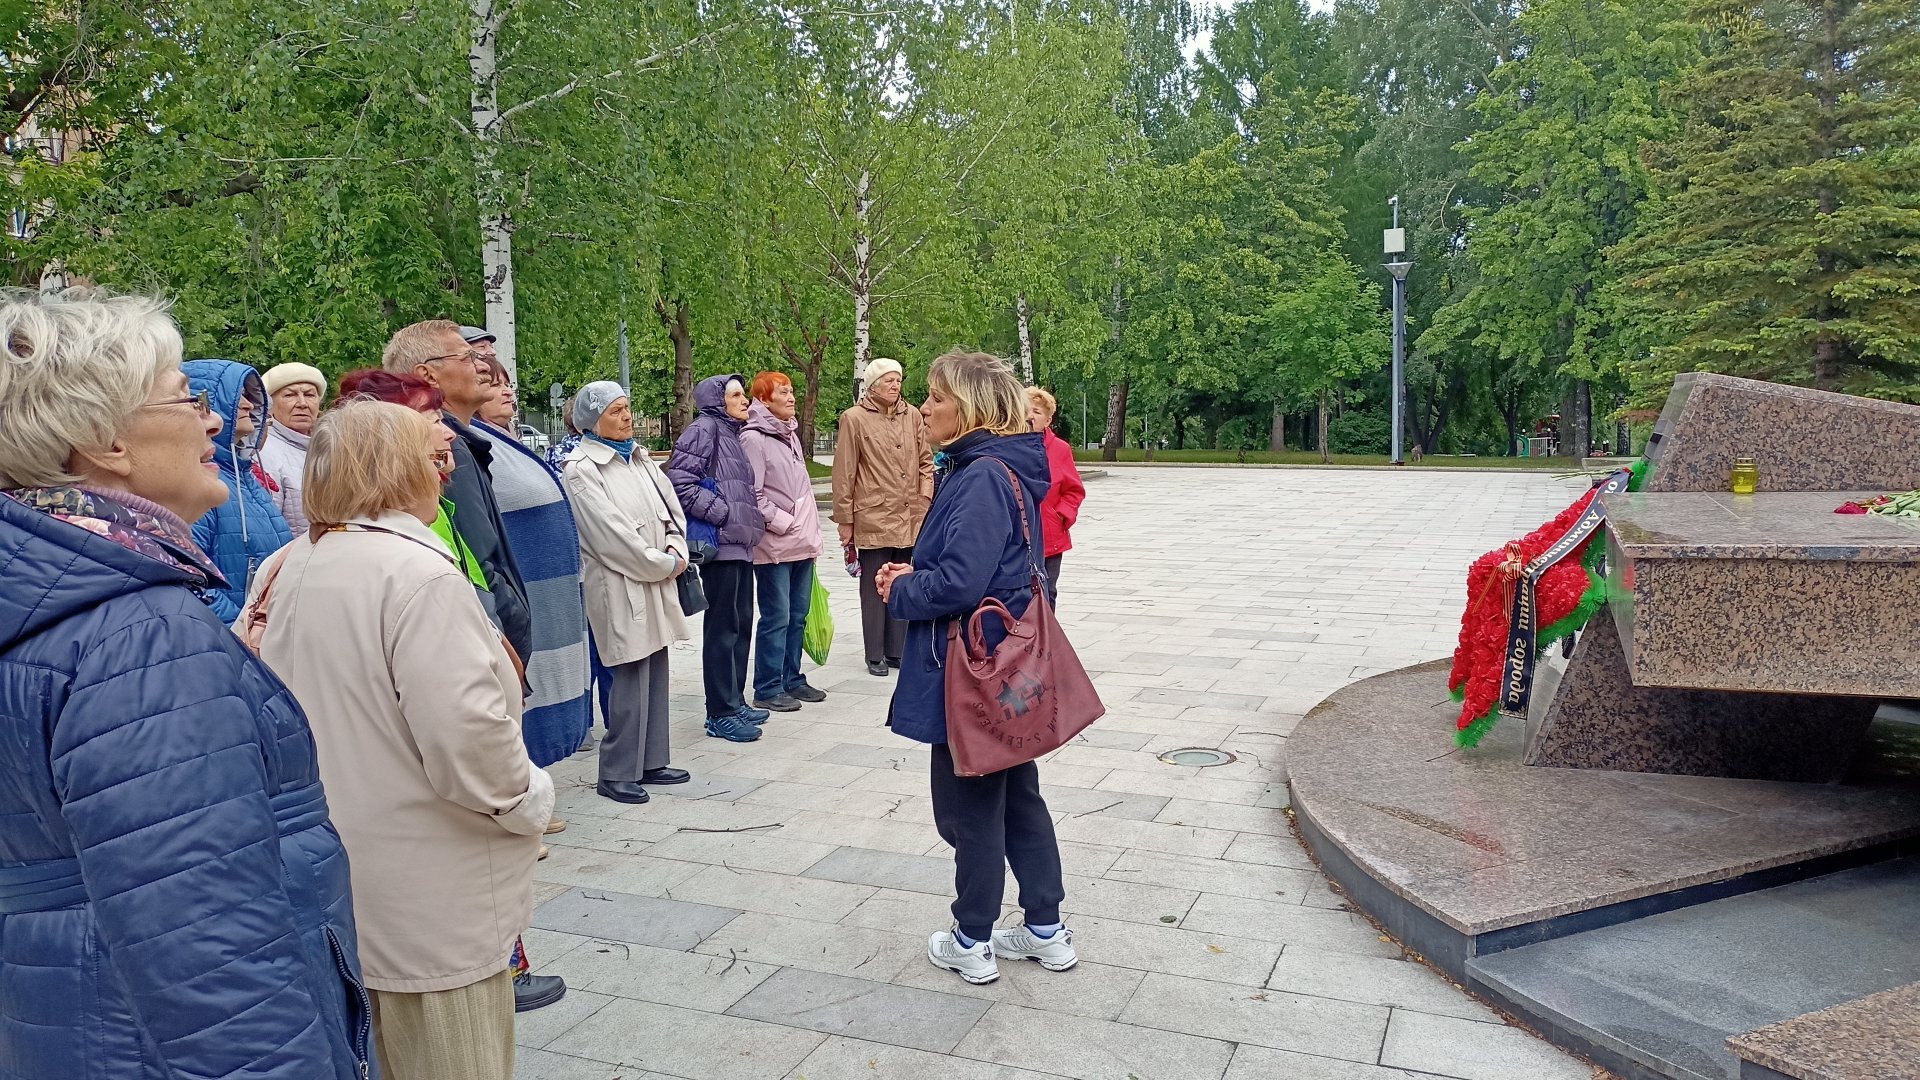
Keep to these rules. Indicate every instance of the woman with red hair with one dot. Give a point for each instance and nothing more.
(783, 559)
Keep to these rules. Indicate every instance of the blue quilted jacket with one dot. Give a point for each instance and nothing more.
(710, 449)
(240, 534)
(174, 902)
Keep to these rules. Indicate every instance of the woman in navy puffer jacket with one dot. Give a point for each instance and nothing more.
(173, 900)
(240, 533)
(973, 546)
(714, 480)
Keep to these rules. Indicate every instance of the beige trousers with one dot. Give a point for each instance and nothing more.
(461, 1034)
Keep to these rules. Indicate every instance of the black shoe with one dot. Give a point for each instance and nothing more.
(806, 693)
(532, 992)
(665, 776)
(877, 667)
(777, 703)
(893, 661)
(626, 791)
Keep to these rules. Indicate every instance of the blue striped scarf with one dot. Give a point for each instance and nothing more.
(545, 544)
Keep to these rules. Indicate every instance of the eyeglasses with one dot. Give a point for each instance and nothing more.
(469, 358)
(200, 402)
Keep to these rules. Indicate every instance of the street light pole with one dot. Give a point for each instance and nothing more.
(1396, 247)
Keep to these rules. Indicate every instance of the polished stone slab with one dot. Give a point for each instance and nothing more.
(1480, 844)
(1771, 592)
(1874, 1038)
(1668, 990)
(1601, 715)
(1801, 439)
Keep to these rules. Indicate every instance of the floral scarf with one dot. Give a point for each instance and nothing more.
(127, 520)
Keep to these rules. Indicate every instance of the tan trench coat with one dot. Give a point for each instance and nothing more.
(882, 474)
(415, 708)
(632, 535)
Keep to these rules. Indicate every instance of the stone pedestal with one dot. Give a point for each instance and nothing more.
(1597, 718)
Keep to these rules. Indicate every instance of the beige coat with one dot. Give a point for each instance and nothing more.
(882, 474)
(632, 536)
(415, 709)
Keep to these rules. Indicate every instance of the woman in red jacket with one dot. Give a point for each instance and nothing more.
(1064, 494)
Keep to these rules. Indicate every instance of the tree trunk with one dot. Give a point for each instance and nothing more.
(1326, 456)
(862, 282)
(1116, 436)
(1277, 430)
(1025, 317)
(496, 226)
(1578, 421)
(678, 322)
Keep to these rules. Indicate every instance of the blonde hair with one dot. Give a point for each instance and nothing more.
(413, 345)
(1037, 396)
(75, 365)
(984, 388)
(366, 457)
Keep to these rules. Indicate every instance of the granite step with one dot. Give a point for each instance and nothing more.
(1874, 1038)
(1660, 996)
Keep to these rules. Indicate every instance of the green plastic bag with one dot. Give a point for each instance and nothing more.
(818, 636)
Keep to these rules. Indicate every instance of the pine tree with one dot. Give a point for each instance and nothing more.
(1787, 244)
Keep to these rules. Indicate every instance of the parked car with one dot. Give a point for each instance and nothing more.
(533, 438)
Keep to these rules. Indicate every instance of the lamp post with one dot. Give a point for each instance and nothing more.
(1396, 247)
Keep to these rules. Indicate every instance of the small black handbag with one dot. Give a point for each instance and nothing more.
(693, 595)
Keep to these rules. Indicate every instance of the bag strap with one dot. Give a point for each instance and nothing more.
(1026, 526)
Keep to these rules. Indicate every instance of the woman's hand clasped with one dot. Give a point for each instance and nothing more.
(884, 578)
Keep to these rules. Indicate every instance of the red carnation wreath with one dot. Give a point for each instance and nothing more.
(1567, 596)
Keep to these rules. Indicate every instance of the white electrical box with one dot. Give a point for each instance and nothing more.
(1396, 241)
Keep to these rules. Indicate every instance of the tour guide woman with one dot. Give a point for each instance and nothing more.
(173, 900)
(972, 547)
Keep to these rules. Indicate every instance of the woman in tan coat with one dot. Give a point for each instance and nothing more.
(633, 544)
(415, 705)
(882, 485)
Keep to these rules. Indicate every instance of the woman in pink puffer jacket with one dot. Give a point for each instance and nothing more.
(783, 559)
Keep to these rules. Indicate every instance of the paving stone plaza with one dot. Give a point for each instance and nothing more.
(769, 920)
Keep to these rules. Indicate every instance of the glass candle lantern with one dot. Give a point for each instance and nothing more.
(1745, 477)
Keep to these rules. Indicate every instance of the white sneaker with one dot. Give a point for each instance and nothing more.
(974, 965)
(1019, 943)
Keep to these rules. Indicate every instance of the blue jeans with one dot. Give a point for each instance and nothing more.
(785, 593)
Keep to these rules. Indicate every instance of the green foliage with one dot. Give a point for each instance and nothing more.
(1786, 241)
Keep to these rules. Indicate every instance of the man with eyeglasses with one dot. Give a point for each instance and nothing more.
(435, 351)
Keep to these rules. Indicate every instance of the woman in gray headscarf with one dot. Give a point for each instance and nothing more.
(633, 544)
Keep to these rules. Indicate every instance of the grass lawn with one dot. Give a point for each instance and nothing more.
(817, 470)
(1312, 457)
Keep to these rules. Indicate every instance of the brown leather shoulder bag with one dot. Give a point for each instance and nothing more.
(1026, 698)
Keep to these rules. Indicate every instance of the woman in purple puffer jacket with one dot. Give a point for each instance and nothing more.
(783, 562)
(714, 481)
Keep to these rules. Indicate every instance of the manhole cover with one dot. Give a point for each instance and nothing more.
(1197, 755)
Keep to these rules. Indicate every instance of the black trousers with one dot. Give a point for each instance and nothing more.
(1053, 579)
(727, 635)
(993, 822)
(886, 636)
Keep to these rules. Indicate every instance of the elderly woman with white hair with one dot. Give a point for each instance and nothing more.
(633, 545)
(173, 899)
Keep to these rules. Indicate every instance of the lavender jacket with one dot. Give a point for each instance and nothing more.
(710, 449)
(781, 487)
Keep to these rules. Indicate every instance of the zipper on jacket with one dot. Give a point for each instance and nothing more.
(356, 993)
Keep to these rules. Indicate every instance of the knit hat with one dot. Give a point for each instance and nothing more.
(281, 376)
(878, 368)
(593, 401)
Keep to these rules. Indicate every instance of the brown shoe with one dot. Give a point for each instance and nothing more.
(555, 825)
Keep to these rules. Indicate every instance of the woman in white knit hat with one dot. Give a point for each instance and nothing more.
(294, 393)
(882, 485)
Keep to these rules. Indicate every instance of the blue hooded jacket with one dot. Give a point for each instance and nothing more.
(970, 547)
(239, 535)
(710, 449)
(173, 899)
